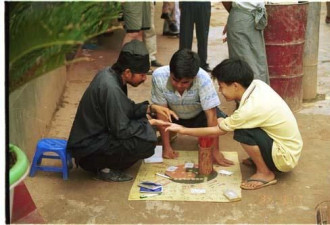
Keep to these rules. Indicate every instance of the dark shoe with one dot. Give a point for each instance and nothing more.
(207, 68)
(168, 33)
(173, 28)
(113, 175)
(165, 16)
(155, 63)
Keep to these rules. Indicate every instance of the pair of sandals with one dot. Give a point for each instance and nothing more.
(263, 183)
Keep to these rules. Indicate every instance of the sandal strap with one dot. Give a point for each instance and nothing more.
(258, 180)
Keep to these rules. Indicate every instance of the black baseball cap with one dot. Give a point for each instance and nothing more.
(134, 56)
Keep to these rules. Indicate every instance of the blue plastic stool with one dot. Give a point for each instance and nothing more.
(51, 145)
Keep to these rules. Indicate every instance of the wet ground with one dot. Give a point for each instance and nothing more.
(84, 200)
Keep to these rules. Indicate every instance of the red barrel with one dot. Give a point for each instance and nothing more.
(284, 39)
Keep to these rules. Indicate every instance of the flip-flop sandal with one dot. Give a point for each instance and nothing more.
(248, 162)
(264, 184)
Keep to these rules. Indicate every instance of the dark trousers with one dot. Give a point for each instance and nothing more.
(118, 154)
(257, 136)
(198, 13)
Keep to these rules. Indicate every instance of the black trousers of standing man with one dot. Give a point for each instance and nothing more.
(198, 13)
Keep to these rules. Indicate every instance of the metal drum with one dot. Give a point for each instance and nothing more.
(284, 39)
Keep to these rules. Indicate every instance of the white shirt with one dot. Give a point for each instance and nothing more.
(199, 97)
(250, 5)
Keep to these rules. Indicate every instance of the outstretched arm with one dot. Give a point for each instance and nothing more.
(197, 132)
(204, 131)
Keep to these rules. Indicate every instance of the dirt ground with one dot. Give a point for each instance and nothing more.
(84, 200)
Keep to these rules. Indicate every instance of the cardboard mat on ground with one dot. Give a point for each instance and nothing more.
(210, 189)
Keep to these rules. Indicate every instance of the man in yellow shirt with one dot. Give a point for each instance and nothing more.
(263, 123)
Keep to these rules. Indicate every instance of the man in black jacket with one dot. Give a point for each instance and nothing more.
(111, 132)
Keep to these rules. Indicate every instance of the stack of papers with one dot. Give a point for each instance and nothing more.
(150, 187)
(157, 157)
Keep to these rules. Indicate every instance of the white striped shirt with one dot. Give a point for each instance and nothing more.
(199, 97)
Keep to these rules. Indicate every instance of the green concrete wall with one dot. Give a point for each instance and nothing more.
(31, 108)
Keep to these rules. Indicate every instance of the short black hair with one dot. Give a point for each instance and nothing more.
(233, 70)
(184, 64)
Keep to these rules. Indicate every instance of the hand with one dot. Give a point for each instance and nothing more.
(174, 127)
(155, 122)
(165, 112)
(218, 158)
(224, 32)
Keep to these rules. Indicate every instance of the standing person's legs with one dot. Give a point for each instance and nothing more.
(166, 10)
(202, 15)
(177, 14)
(170, 28)
(247, 43)
(150, 37)
(186, 25)
(136, 19)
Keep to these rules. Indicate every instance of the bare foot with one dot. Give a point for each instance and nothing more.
(170, 154)
(219, 159)
(259, 180)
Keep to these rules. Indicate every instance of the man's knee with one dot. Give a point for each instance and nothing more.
(138, 148)
(146, 149)
(244, 136)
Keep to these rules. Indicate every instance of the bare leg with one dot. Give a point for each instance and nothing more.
(262, 171)
(168, 152)
(218, 157)
(248, 162)
(131, 36)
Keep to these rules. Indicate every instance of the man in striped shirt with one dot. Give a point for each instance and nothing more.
(188, 90)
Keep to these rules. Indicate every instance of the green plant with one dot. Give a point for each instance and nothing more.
(42, 33)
